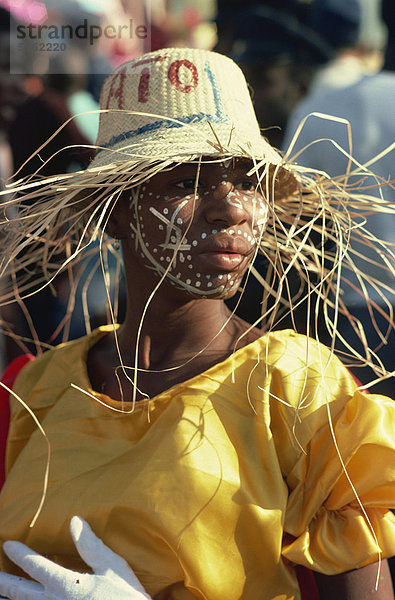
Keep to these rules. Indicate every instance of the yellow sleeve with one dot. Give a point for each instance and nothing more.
(337, 452)
(332, 532)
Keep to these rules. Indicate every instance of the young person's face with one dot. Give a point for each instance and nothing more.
(202, 230)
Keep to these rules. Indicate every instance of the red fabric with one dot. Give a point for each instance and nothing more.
(8, 379)
(307, 584)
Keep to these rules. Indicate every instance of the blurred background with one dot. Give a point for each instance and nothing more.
(299, 56)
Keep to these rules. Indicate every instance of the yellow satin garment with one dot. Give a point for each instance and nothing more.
(216, 487)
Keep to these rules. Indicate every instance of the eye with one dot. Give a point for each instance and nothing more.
(186, 184)
(245, 186)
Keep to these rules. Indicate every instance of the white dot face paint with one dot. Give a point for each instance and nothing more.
(199, 235)
(233, 199)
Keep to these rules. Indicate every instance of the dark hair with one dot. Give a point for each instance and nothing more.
(337, 21)
(264, 33)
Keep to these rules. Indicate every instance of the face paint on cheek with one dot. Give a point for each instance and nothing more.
(233, 198)
(166, 248)
(174, 239)
(260, 218)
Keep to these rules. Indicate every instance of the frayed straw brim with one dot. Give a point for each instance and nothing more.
(58, 219)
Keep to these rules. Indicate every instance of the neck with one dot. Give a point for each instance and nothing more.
(172, 343)
(167, 331)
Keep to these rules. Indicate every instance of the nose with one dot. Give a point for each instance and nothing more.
(225, 206)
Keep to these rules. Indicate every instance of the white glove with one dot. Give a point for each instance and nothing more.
(112, 577)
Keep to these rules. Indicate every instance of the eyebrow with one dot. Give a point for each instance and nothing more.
(245, 165)
(244, 162)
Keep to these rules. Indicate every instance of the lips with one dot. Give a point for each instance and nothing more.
(226, 243)
(225, 253)
(222, 261)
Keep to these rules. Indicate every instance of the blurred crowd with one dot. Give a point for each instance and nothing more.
(334, 57)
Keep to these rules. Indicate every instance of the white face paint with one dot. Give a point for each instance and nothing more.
(203, 236)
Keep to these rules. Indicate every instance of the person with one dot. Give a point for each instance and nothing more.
(340, 24)
(360, 114)
(279, 55)
(219, 460)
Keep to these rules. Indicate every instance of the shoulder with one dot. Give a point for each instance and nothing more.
(296, 373)
(290, 360)
(286, 350)
(307, 394)
(55, 369)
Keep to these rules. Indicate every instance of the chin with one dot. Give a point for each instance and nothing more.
(219, 293)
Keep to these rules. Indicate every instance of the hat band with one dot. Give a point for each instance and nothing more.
(164, 124)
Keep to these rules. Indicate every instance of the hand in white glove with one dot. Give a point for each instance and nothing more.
(112, 577)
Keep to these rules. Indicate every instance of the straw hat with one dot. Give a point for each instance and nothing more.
(170, 107)
(176, 102)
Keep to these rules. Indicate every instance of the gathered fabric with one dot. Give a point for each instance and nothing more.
(217, 487)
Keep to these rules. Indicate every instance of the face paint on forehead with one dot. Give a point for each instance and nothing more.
(226, 166)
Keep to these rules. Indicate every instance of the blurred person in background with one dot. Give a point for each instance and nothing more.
(57, 109)
(32, 123)
(279, 55)
(353, 32)
(40, 117)
(368, 106)
(35, 121)
(12, 93)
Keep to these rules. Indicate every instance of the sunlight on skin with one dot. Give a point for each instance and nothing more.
(206, 238)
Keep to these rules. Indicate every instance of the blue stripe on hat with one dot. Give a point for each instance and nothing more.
(219, 117)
